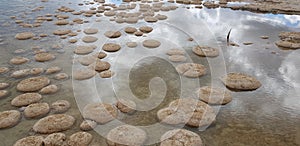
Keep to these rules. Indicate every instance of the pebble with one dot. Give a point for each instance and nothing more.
(150, 19)
(19, 60)
(61, 76)
(55, 139)
(24, 35)
(36, 71)
(62, 31)
(205, 51)
(60, 106)
(30, 141)
(3, 93)
(20, 73)
(80, 139)
(54, 123)
(214, 95)
(126, 105)
(50, 89)
(89, 39)
(83, 74)
(146, 29)
(100, 112)
(36, 110)
(111, 47)
(9, 118)
(138, 33)
(240, 81)
(52, 70)
(180, 137)
(126, 135)
(130, 30)
(151, 43)
(131, 44)
(33, 84)
(187, 111)
(4, 85)
(192, 70)
(88, 125)
(112, 34)
(175, 52)
(26, 99)
(106, 74)
(177, 58)
(43, 57)
(90, 31)
(83, 50)
(4, 70)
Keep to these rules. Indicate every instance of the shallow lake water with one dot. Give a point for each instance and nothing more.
(269, 115)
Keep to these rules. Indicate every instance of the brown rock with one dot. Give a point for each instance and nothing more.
(36, 110)
(192, 70)
(26, 99)
(54, 123)
(60, 106)
(9, 118)
(100, 112)
(240, 81)
(33, 84)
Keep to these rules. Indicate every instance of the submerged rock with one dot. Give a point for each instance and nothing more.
(4, 85)
(19, 60)
(130, 30)
(44, 56)
(177, 58)
(187, 111)
(100, 112)
(178, 137)
(30, 141)
(3, 70)
(60, 106)
(111, 47)
(54, 123)
(36, 110)
(20, 73)
(55, 139)
(240, 81)
(52, 70)
(26, 99)
(145, 29)
(24, 35)
(89, 39)
(126, 135)
(112, 34)
(61, 76)
(131, 44)
(175, 52)
(151, 43)
(126, 105)
(3, 93)
(83, 74)
(213, 95)
(80, 139)
(106, 74)
(192, 70)
(205, 51)
(33, 84)
(88, 125)
(9, 118)
(90, 31)
(49, 89)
